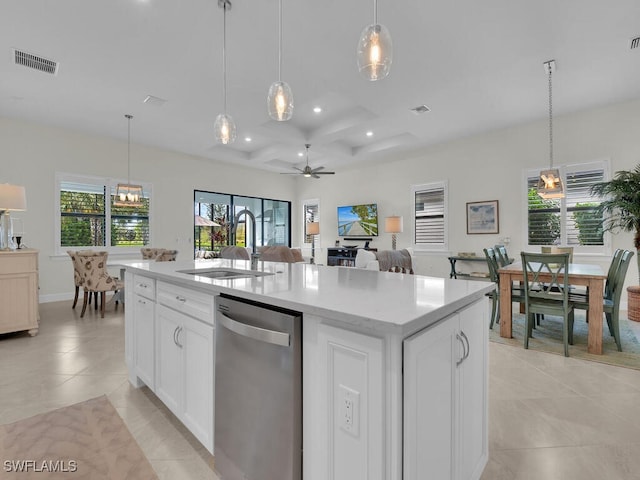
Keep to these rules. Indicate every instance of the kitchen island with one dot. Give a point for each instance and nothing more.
(409, 351)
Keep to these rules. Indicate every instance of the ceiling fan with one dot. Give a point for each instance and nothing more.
(308, 171)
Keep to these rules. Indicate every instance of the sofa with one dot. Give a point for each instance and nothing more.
(385, 260)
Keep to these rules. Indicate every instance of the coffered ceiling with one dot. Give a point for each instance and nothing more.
(478, 66)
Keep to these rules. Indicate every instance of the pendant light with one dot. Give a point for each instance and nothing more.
(375, 51)
(280, 99)
(224, 128)
(550, 183)
(128, 195)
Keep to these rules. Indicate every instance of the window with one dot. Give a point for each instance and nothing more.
(310, 213)
(573, 220)
(430, 202)
(87, 217)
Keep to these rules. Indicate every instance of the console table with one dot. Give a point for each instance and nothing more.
(19, 291)
(455, 274)
(345, 257)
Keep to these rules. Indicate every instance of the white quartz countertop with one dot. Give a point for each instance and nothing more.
(383, 301)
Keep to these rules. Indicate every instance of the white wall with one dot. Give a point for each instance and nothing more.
(489, 166)
(31, 154)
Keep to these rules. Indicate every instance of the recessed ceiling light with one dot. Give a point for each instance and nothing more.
(247, 139)
(317, 109)
(301, 154)
(369, 133)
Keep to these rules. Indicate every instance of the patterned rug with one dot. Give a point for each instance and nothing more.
(87, 441)
(547, 337)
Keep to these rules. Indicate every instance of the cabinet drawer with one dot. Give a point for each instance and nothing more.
(11, 263)
(195, 304)
(144, 286)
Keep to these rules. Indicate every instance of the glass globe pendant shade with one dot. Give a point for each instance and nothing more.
(375, 52)
(280, 101)
(224, 129)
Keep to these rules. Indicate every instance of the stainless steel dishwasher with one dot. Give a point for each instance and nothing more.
(258, 391)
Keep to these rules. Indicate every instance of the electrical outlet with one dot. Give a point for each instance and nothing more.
(349, 410)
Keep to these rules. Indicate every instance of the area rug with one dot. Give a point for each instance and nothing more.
(547, 337)
(87, 441)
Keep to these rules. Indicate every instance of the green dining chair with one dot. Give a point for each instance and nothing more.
(517, 294)
(612, 293)
(546, 292)
(501, 255)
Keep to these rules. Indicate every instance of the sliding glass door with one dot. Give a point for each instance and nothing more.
(216, 215)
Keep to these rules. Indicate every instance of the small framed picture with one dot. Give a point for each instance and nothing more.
(483, 217)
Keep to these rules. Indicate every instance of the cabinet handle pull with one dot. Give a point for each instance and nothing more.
(142, 285)
(175, 335)
(464, 350)
(181, 299)
(142, 302)
(467, 348)
(178, 337)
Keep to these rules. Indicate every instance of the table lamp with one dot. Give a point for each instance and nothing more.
(313, 229)
(393, 225)
(12, 198)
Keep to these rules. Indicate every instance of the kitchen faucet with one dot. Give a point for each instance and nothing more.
(236, 219)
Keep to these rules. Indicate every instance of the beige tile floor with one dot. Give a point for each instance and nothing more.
(550, 417)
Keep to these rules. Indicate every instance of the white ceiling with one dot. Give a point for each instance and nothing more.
(477, 65)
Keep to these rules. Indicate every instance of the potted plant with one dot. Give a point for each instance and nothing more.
(621, 204)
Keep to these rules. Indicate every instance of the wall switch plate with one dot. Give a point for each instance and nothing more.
(349, 401)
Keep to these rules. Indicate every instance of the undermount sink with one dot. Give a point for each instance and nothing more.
(224, 273)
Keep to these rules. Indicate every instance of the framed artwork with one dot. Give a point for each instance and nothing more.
(482, 217)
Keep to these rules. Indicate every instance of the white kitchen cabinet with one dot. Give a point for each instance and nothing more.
(143, 302)
(184, 370)
(445, 398)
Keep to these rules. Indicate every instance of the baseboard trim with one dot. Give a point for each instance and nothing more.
(55, 297)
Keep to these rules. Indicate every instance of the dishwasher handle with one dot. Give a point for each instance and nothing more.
(257, 333)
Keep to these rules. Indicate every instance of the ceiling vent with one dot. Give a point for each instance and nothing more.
(36, 62)
(420, 109)
(634, 43)
(156, 101)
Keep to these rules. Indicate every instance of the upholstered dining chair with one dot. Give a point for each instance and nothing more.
(95, 278)
(233, 252)
(546, 292)
(150, 253)
(77, 273)
(612, 293)
(167, 255)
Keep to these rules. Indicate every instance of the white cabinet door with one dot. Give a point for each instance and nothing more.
(445, 398)
(169, 363)
(473, 393)
(429, 406)
(184, 370)
(198, 406)
(144, 340)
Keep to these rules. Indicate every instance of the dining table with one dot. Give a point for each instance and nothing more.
(590, 275)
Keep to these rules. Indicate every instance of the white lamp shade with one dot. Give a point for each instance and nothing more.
(313, 228)
(393, 224)
(12, 197)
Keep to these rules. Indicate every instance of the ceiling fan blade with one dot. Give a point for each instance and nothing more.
(324, 173)
(316, 169)
(290, 173)
(314, 175)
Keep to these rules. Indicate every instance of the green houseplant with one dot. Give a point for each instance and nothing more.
(621, 209)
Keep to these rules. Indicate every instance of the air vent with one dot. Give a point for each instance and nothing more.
(156, 101)
(420, 109)
(634, 43)
(36, 62)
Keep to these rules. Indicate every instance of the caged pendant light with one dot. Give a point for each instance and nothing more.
(128, 195)
(280, 99)
(224, 128)
(550, 183)
(375, 51)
